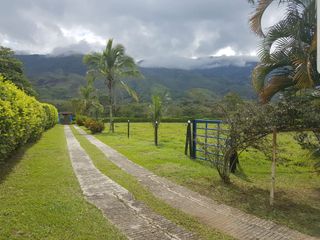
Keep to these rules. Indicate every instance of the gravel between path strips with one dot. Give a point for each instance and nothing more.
(226, 219)
(133, 218)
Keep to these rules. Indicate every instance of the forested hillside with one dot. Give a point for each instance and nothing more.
(59, 78)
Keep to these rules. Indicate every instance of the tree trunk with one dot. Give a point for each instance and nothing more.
(111, 128)
(273, 167)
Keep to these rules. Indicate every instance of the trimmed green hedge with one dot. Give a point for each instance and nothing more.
(164, 119)
(22, 118)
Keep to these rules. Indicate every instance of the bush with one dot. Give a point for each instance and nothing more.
(94, 126)
(51, 114)
(22, 118)
(80, 120)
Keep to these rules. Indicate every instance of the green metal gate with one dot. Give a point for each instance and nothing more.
(210, 139)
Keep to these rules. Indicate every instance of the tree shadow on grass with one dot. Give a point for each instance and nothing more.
(241, 174)
(7, 165)
(291, 212)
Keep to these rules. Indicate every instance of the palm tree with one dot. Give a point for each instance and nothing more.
(287, 50)
(90, 105)
(156, 109)
(111, 65)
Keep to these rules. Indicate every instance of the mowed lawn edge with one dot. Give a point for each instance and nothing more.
(41, 198)
(142, 194)
(297, 193)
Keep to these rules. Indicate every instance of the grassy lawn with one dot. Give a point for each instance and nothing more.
(41, 199)
(297, 185)
(141, 194)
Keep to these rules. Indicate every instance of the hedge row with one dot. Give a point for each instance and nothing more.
(164, 119)
(22, 118)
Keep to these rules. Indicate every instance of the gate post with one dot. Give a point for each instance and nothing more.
(128, 128)
(206, 142)
(194, 139)
(156, 133)
(188, 140)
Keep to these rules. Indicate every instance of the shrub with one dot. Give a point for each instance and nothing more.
(80, 120)
(22, 118)
(51, 114)
(94, 126)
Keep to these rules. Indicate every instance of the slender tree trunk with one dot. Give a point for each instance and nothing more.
(273, 167)
(111, 129)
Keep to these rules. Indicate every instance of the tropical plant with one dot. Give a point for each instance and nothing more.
(287, 50)
(156, 109)
(112, 65)
(94, 126)
(90, 105)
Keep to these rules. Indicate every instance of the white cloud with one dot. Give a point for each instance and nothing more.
(78, 34)
(227, 51)
(147, 28)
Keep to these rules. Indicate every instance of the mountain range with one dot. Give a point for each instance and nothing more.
(60, 77)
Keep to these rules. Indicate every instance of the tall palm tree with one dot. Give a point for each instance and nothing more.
(287, 50)
(112, 65)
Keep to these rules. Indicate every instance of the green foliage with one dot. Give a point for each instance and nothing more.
(252, 123)
(111, 65)
(231, 101)
(11, 69)
(80, 120)
(288, 49)
(156, 109)
(89, 104)
(22, 118)
(93, 125)
(51, 115)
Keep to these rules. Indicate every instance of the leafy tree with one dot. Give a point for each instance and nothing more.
(12, 69)
(231, 101)
(287, 50)
(112, 65)
(251, 123)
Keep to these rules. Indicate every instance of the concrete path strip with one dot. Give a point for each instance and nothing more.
(133, 218)
(227, 219)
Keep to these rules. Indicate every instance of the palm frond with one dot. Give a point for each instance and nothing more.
(256, 18)
(262, 72)
(288, 49)
(258, 77)
(302, 74)
(276, 84)
(130, 91)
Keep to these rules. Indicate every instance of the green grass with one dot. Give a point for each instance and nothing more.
(40, 197)
(142, 194)
(297, 184)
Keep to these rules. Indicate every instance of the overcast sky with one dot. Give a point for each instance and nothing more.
(147, 28)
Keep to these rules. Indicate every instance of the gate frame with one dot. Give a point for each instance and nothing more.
(194, 135)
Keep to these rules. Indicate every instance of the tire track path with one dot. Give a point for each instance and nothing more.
(226, 219)
(133, 218)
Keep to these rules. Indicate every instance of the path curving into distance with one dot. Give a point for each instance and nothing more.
(224, 218)
(133, 218)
